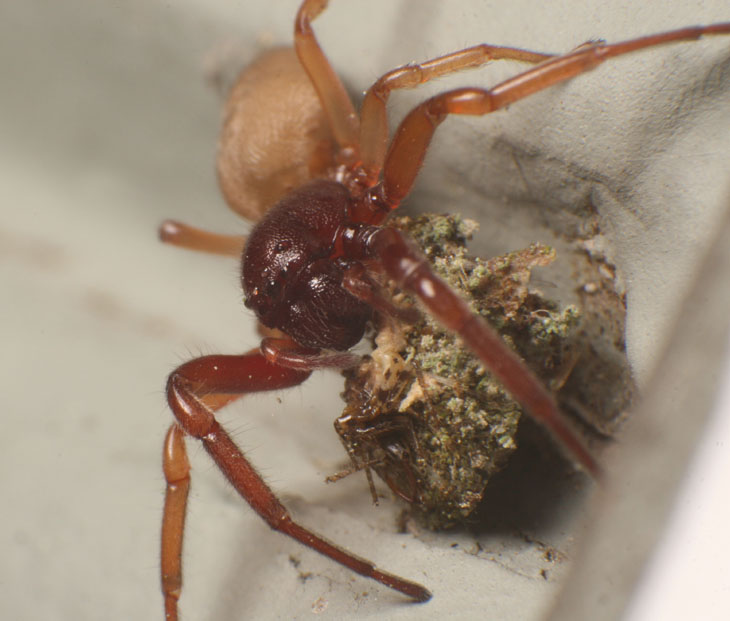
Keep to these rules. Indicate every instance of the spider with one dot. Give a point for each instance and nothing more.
(320, 181)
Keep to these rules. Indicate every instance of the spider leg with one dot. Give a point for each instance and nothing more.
(357, 281)
(412, 272)
(408, 149)
(284, 352)
(176, 468)
(186, 236)
(336, 102)
(194, 391)
(373, 114)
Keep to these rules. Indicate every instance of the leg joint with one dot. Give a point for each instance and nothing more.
(194, 417)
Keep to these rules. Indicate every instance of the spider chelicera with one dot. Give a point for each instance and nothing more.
(320, 181)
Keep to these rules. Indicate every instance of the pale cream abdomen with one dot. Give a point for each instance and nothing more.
(275, 136)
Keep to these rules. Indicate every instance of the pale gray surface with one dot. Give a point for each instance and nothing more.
(645, 470)
(107, 127)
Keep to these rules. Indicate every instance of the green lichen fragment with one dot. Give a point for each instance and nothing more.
(421, 410)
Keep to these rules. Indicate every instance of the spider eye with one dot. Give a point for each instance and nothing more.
(262, 300)
(272, 287)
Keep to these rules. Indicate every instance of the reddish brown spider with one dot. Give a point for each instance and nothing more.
(321, 180)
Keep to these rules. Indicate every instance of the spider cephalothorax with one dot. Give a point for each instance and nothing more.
(291, 278)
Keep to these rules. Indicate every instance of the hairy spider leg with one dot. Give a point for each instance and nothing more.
(336, 102)
(373, 114)
(286, 353)
(412, 138)
(192, 238)
(195, 390)
(365, 137)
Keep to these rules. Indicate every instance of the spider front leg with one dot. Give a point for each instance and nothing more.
(195, 390)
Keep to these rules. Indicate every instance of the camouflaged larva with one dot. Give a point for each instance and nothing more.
(420, 410)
